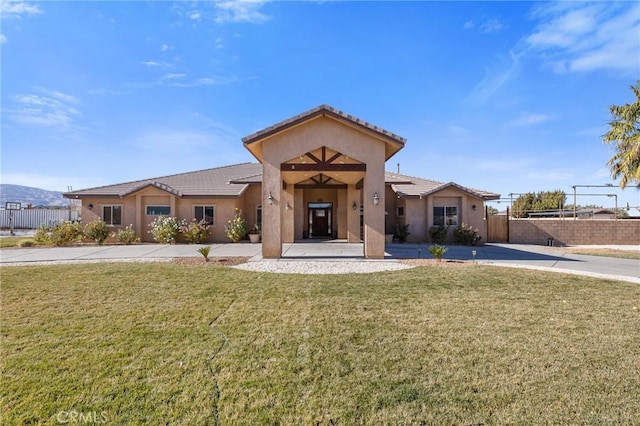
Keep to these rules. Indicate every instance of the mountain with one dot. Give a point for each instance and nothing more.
(28, 195)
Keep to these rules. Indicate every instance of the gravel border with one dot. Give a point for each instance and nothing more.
(323, 267)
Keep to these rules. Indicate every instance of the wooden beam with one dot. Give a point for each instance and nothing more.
(327, 167)
(320, 186)
(313, 157)
(335, 157)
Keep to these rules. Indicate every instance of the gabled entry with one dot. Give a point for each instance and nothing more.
(320, 168)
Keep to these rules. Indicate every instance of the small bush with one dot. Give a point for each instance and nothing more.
(195, 232)
(27, 243)
(439, 234)
(126, 235)
(65, 233)
(96, 231)
(438, 251)
(236, 228)
(400, 232)
(204, 251)
(43, 234)
(466, 235)
(166, 229)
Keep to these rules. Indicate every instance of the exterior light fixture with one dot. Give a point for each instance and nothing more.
(376, 199)
(473, 207)
(288, 206)
(354, 206)
(270, 198)
(90, 206)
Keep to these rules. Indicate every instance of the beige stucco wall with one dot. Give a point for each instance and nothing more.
(134, 210)
(295, 142)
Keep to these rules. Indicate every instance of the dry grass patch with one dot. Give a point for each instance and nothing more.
(171, 343)
(621, 254)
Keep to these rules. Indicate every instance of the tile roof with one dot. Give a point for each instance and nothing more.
(321, 110)
(231, 181)
(410, 186)
(218, 182)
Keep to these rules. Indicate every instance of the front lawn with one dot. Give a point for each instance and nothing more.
(160, 343)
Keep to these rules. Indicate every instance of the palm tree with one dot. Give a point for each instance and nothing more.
(624, 133)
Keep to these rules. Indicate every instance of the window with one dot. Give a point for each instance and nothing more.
(259, 216)
(158, 210)
(445, 216)
(400, 211)
(112, 215)
(204, 212)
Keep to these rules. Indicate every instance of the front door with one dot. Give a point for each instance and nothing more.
(320, 223)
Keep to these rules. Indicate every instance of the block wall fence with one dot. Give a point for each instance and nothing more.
(574, 232)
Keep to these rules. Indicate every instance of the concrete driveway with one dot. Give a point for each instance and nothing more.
(513, 255)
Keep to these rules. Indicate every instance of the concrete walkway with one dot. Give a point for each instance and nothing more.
(512, 255)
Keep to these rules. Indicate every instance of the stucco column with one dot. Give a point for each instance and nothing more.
(353, 216)
(287, 214)
(374, 213)
(139, 215)
(271, 214)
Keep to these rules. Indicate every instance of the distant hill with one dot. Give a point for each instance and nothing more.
(28, 195)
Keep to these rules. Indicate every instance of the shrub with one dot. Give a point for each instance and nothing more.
(43, 234)
(126, 235)
(438, 251)
(400, 232)
(27, 243)
(195, 232)
(464, 234)
(236, 228)
(166, 229)
(64, 233)
(96, 231)
(439, 234)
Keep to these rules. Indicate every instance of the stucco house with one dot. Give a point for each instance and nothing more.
(320, 174)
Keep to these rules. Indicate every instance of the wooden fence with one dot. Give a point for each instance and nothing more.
(32, 218)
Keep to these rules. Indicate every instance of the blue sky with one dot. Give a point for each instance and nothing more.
(502, 96)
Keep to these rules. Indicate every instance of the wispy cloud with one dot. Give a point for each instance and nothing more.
(207, 81)
(165, 47)
(172, 76)
(224, 11)
(494, 79)
(527, 119)
(240, 11)
(491, 26)
(581, 37)
(50, 108)
(3, 39)
(10, 9)
(487, 26)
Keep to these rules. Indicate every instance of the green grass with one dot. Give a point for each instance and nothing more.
(7, 242)
(167, 343)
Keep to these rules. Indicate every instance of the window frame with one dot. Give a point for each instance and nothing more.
(400, 211)
(112, 207)
(259, 215)
(445, 215)
(146, 210)
(204, 213)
